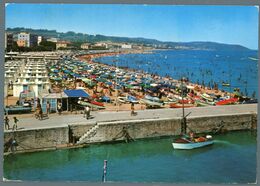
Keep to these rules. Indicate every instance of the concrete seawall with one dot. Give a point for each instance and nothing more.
(108, 131)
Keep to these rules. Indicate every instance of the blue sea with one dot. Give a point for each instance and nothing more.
(239, 69)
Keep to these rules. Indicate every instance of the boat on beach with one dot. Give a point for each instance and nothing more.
(200, 102)
(97, 103)
(132, 99)
(227, 101)
(84, 103)
(122, 99)
(207, 97)
(150, 103)
(180, 105)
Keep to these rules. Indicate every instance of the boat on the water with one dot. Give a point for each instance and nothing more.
(190, 141)
(225, 84)
(187, 143)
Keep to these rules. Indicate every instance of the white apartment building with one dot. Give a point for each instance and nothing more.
(12, 69)
(33, 77)
(126, 46)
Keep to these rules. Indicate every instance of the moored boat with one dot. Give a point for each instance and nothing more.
(187, 142)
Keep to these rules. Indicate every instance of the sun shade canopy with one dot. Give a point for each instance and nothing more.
(76, 93)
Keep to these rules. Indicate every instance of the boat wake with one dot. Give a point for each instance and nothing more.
(225, 143)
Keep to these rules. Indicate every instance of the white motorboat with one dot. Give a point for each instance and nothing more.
(190, 141)
(186, 143)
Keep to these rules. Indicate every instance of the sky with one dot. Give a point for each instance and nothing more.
(223, 24)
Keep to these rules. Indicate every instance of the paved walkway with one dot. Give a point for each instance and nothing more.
(55, 120)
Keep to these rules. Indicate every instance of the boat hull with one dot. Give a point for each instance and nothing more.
(192, 145)
(178, 105)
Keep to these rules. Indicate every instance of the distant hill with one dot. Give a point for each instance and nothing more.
(80, 37)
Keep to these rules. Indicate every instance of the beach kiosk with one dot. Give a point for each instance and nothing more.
(73, 97)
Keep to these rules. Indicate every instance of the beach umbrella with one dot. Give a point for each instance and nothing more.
(129, 86)
(101, 80)
(109, 83)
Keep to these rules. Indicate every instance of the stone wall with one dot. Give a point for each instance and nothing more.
(39, 139)
(107, 131)
(112, 131)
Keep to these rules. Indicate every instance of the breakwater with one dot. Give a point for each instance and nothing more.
(67, 135)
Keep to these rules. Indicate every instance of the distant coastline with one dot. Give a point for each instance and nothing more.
(156, 44)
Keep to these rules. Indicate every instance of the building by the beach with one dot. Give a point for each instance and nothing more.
(126, 46)
(24, 39)
(34, 77)
(85, 46)
(62, 44)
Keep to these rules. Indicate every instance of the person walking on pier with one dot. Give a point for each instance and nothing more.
(85, 112)
(88, 112)
(59, 108)
(48, 107)
(7, 126)
(132, 109)
(15, 123)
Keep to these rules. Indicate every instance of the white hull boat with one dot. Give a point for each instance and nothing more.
(192, 145)
(190, 142)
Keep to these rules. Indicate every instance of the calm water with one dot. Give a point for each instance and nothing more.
(240, 69)
(232, 159)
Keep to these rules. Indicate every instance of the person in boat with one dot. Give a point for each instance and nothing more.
(191, 135)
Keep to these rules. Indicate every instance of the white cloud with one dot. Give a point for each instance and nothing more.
(257, 6)
(6, 4)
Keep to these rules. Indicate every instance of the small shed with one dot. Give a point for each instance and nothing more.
(53, 99)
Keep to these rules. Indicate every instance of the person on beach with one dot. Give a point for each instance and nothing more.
(7, 126)
(15, 123)
(132, 109)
